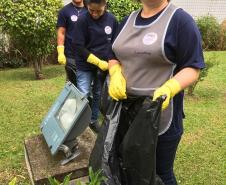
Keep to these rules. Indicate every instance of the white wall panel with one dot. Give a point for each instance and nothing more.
(197, 8)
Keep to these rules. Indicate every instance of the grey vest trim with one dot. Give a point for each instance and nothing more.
(164, 35)
(164, 55)
(159, 17)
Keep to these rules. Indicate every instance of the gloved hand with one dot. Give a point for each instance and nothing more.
(170, 89)
(92, 59)
(117, 86)
(61, 56)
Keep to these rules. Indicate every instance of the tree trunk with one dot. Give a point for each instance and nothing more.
(37, 64)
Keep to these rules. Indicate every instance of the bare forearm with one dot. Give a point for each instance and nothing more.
(187, 76)
(112, 62)
(60, 36)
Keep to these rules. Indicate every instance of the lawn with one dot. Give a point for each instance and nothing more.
(201, 157)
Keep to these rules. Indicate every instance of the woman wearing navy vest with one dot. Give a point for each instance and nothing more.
(158, 52)
(92, 40)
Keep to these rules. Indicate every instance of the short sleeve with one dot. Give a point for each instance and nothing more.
(61, 20)
(80, 36)
(189, 52)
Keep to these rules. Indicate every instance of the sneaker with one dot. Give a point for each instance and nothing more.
(95, 127)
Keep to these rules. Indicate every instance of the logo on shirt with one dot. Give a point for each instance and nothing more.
(74, 18)
(108, 30)
(150, 38)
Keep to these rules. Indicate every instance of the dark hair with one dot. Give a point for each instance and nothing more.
(96, 1)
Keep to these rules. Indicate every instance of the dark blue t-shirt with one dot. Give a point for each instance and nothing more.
(95, 36)
(67, 18)
(183, 46)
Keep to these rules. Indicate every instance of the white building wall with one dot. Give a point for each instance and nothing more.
(197, 8)
(68, 1)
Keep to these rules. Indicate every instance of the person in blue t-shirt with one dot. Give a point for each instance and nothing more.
(157, 52)
(92, 43)
(66, 24)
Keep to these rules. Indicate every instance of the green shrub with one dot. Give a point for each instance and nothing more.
(13, 182)
(96, 178)
(11, 58)
(122, 8)
(223, 36)
(210, 61)
(66, 181)
(3, 60)
(210, 31)
(4, 41)
(11, 62)
(30, 26)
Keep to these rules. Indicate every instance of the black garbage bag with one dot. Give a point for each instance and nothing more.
(71, 73)
(125, 149)
(105, 99)
(103, 152)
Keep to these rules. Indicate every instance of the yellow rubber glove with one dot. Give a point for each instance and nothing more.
(92, 59)
(170, 89)
(61, 56)
(117, 86)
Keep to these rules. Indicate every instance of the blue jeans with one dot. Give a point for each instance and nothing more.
(165, 155)
(84, 81)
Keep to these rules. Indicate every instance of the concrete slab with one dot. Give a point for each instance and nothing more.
(41, 164)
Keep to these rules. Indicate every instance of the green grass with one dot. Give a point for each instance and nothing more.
(201, 157)
(23, 104)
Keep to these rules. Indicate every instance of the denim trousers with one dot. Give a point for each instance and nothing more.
(89, 83)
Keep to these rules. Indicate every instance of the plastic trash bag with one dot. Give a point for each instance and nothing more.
(125, 148)
(105, 99)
